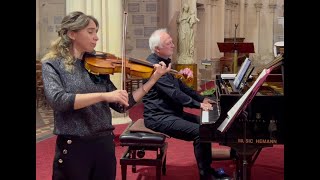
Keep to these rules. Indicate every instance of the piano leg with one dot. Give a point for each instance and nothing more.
(246, 161)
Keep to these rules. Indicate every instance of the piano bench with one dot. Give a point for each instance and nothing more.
(139, 140)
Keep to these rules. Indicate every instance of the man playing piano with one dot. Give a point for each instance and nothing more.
(164, 103)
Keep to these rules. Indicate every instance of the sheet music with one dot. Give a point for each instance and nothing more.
(248, 74)
(243, 69)
(244, 100)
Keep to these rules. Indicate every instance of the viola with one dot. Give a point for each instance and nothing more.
(106, 63)
(102, 63)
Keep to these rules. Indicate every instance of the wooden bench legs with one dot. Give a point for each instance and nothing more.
(134, 155)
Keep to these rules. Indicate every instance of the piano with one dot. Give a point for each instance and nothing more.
(260, 126)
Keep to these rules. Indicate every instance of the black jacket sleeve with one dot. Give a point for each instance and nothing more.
(178, 91)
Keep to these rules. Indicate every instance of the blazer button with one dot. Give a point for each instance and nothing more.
(60, 161)
(69, 141)
(65, 151)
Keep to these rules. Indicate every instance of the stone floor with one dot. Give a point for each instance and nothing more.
(44, 121)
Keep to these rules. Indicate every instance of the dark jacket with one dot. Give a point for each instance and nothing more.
(168, 96)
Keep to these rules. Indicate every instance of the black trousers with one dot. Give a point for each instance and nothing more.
(186, 128)
(84, 158)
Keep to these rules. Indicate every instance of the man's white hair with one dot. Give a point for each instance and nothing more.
(154, 40)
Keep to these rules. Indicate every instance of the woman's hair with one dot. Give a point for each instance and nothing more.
(74, 21)
(154, 40)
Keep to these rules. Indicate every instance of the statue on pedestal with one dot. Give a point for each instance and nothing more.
(185, 22)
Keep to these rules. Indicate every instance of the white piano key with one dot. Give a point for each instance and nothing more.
(205, 117)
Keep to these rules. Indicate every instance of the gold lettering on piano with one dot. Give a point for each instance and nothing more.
(247, 141)
(252, 120)
(261, 141)
(266, 141)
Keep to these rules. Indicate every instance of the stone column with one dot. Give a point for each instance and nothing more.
(115, 23)
(272, 7)
(208, 30)
(258, 6)
(233, 20)
(242, 20)
(227, 22)
(245, 18)
(220, 27)
(216, 29)
(173, 9)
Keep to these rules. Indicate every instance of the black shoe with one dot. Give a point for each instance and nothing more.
(219, 174)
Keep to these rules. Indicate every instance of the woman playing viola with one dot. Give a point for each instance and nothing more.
(81, 102)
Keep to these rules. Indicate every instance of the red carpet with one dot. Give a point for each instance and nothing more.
(180, 162)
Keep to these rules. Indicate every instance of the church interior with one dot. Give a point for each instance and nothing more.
(214, 39)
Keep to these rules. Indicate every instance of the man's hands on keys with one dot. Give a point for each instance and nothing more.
(206, 106)
(207, 100)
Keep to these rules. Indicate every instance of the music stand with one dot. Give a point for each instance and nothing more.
(237, 47)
